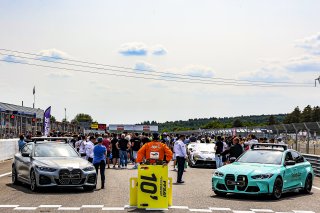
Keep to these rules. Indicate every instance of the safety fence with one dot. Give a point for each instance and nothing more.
(315, 162)
(12, 125)
(303, 137)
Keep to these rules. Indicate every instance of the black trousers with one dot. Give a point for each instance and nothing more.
(102, 166)
(180, 161)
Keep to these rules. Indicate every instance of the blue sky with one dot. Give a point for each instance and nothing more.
(255, 40)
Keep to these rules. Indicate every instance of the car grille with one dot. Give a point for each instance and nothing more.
(44, 180)
(67, 177)
(241, 182)
(228, 178)
(221, 186)
(253, 189)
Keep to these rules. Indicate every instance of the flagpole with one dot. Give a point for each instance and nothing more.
(34, 96)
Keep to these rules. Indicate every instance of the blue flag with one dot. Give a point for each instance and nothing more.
(47, 116)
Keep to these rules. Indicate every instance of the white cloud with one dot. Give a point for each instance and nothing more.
(266, 74)
(12, 59)
(199, 71)
(142, 66)
(133, 49)
(306, 63)
(52, 55)
(311, 44)
(159, 50)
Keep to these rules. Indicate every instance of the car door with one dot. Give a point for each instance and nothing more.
(300, 169)
(288, 173)
(26, 162)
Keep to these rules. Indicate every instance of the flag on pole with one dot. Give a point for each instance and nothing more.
(34, 90)
(47, 116)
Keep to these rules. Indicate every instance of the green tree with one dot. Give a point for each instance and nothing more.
(293, 117)
(81, 117)
(237, 123)
(306, 115)
(272, 120)
(315, 115)
(52, 119)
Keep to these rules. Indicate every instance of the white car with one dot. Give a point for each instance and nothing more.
(201, 154)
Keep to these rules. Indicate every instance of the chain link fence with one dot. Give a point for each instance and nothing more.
(303, 137)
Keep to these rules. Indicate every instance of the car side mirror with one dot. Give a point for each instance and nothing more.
(290, 163)
(25, 154)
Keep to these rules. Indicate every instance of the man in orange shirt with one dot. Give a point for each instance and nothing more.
(154, 152)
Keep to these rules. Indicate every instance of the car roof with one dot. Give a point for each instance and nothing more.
(269, 146)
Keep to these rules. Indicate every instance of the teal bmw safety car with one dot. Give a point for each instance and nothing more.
(265, 169)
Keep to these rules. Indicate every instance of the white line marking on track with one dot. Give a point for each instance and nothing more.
(219, 209)
(301, 211)
(92, 206)
(5, 174)
(50, 206)
(316, 187)
(178, 207)
(261, 210)
(113, 209)
(69, 208)
(200, 210)
(8, 206)
(26, 208)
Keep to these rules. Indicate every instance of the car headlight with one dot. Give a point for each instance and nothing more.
(196, 157)
(262, 176)
(46, 169)
(218, 174)
(89, 168)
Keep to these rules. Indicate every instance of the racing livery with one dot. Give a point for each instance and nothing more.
(265, 169)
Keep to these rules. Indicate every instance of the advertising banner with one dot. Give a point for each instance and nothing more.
(94, 126)
(47, 116)
(102, 126)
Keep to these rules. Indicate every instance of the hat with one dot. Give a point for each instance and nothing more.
(99, 140)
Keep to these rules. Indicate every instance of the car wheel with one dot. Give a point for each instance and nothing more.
(277, 188)
(14, 176)
(308, 184)
(33, 182)
(89, 188)
(221, 194)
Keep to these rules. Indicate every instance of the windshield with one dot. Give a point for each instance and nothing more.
(54, 150)
(261, 156)
(205, 148)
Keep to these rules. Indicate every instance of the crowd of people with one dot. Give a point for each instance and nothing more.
(117, 151)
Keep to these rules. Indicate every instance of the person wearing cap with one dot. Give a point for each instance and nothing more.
(89, 149)
(181, 156)
(99, 159)
(154, 152)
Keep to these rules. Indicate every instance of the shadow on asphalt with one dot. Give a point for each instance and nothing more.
(48, 190)
(261, 198)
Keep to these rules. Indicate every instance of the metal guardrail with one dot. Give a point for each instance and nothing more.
(315, 162)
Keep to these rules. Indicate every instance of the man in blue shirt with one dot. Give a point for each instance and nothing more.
(21, 142)
(181, 155)
(99, 160)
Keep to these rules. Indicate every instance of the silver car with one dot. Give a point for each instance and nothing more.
(201, 154)
(49, 162)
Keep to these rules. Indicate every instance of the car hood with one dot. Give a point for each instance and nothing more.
(62, 162)
(249, 168)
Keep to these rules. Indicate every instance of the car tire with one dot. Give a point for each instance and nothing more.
(33, 181)
(277, 189)
(14, 176)
(308, 185)
(89, 188)
(221, 194)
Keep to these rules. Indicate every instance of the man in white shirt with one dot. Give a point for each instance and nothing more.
(89, 149)
(82, 147)
(181, 156)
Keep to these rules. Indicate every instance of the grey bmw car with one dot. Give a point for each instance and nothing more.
(52, 162)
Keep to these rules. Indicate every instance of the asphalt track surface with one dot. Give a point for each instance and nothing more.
(193, 196)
